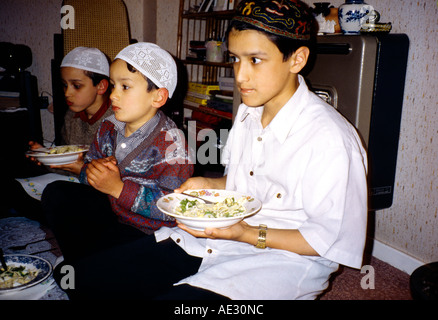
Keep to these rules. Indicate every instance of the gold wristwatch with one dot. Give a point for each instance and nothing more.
(261, 242)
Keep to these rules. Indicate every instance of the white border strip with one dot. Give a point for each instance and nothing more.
(395, 258)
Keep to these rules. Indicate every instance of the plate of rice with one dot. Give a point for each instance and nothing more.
(229, 208)
(59, 155)
(23, 271)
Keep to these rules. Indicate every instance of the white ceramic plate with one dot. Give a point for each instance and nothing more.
(42, 156)
(42, 265)
(168, 203)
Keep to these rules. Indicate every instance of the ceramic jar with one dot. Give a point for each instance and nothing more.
(353, 14)
(215, 51)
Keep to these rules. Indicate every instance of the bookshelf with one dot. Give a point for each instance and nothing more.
(201, 48)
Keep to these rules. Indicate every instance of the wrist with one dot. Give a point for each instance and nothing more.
(261, 236)
(117, 191)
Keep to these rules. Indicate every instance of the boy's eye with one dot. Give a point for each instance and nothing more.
(77, 86)
(125, 87)
(234, 59)
(256, 60)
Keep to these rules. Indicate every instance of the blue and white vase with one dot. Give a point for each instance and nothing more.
(353, 14)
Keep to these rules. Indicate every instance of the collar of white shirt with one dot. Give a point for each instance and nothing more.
(285, 119)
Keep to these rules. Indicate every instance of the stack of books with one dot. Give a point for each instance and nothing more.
(221, 100)
(197, 51)
(209, 99)
(199, 94)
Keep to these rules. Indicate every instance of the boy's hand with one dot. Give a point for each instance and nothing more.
(74, 167)
(240, 231)
(32, 146)
(202, 183)
(104, 175)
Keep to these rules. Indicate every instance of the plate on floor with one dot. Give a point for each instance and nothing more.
(59, 155)
(41, 266)
(231, 208)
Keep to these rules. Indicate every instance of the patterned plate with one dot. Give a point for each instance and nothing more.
(168, 203)
(44, 267)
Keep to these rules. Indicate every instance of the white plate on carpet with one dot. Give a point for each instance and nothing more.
(43, 267)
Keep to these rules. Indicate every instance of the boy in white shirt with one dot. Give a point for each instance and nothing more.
(290, 150)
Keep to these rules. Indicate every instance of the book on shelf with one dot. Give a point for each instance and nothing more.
(191, 103)
(206, 109)
(221, 100)
(222, 5)
(206, 118)
(199, 95)
(202, 88)
(220, 105)
(195, 99)
(224, 114)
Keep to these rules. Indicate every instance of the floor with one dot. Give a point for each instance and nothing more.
(381, 281)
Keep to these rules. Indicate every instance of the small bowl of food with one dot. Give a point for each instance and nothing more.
(59, 155)
(23, 271)
(229, 208)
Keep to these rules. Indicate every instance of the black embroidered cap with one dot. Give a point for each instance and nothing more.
(289, 18)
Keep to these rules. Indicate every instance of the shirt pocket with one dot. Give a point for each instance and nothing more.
(278, 197)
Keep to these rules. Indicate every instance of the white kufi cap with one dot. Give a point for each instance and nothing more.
(153, 62)
(89, 59)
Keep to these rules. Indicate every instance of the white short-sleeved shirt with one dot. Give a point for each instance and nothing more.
(308, 167)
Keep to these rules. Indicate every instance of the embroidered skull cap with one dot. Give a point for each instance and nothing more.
(287, 18)
(153, 62)
(89, 59)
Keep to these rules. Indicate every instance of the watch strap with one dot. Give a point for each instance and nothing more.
(261, 241)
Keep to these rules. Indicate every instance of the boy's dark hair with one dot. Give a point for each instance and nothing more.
(151, 85)
(287, 46)
(96, 78)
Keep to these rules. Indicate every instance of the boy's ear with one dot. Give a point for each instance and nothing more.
(160, 98)
(299, 59)
(102, 86)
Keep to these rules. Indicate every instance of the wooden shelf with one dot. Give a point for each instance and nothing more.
(209, 111)
(224, 15)
(207, 63)
(201, 26)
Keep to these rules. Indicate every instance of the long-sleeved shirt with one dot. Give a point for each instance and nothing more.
(158, 157)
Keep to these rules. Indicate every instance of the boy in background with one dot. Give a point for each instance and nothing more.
(128, 163)
(85, 76)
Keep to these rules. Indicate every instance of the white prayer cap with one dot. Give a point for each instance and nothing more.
(89, 59)
(153, 62)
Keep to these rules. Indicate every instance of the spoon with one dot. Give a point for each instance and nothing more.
(3, 261)
(189, 195)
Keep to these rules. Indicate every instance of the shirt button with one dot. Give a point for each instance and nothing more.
(123, 145)
(278, 195)
(209, 251)
(251, 173)
(178, 240)
(259, 139)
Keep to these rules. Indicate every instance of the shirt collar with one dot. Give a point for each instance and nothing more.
(103, 108)
(145, 129)
(285, 119)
